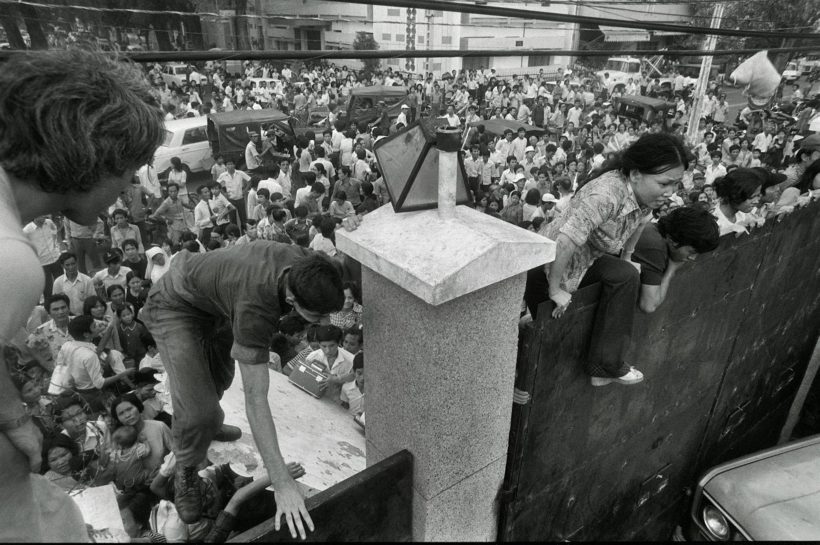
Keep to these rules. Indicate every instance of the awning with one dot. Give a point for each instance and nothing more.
(615, 34)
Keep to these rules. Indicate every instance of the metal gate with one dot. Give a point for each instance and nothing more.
(723, 358)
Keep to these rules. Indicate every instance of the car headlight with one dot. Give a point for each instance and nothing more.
(716, 523)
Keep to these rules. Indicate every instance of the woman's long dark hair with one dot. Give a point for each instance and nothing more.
(652, 153)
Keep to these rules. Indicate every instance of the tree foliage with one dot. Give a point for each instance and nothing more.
(758, 15)
(364, 41)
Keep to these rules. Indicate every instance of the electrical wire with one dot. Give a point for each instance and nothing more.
(313, 55)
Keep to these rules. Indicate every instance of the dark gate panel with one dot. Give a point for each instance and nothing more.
(736, 331)
(374, 505)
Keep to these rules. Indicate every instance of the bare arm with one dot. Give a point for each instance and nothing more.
(289, 500)
(652, 296)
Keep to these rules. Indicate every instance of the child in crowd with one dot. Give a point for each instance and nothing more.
(152, 359)
(351, 313)
(337, 361)
(323, 241)
(352, 394)
(134, 336)
(127, 460)
(353, 339)
(312, 341)
(290, 340)
(298, 229)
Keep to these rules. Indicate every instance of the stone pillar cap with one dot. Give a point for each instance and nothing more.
(441, 259)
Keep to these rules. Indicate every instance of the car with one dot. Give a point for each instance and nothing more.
(791, 73)
(180, 74)
(771, 495)
(364, 102)
(187, 139)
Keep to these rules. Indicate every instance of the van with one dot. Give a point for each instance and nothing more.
(187, 139)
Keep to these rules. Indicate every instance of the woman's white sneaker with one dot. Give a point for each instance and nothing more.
(632, 377)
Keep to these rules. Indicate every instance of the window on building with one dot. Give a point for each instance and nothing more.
(446, 40)
(436, 67)
(393, 12)
(420, 39)
(385, 37)
(438, 13)
(399, 37)
(519, 43)
(539, 60)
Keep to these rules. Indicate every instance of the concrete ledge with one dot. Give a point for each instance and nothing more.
(439, 260)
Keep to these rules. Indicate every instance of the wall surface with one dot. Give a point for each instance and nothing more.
(723, 358)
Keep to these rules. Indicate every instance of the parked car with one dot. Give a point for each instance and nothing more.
(791, 73)
(180, 74)
(187, 139)
(772, 495)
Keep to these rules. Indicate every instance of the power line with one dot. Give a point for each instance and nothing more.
(735, 19)
(195, 56)
(438, 5)
(549, 17)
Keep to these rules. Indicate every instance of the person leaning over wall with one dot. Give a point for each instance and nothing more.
(605, 218)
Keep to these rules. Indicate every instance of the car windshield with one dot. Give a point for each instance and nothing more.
(615, 65)
(791, 66)
(166, 141)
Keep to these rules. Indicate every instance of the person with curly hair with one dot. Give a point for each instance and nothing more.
(74, 128)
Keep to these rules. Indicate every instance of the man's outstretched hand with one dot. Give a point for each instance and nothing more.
(291, 504)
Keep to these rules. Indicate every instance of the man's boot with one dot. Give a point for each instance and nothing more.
(187, 494)
(228, 433)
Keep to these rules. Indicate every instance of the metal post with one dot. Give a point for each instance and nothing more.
(703, 78)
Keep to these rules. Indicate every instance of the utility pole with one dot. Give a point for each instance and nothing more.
(703, 78)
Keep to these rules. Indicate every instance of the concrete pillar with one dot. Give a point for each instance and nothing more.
(442, 296)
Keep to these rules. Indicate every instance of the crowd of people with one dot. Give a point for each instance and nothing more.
(148, 301)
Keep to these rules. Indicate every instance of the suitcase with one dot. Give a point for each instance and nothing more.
(309, 376)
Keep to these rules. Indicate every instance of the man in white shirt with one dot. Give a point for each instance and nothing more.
(518, 145)
(204, 216)
(235, 183)
(42, 233)
(252, 154)
(451, 117)
(113, 273)
(45, 342)
(76, 285)
(574, 114)
(148, 178)
(714, 170)
(402, 117)
(83, 371)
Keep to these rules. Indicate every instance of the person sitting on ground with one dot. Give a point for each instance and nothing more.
(352, 394)
(337, 361)
(680, 236)
(127, 410)
(604, 219)
(136, 293)
(60, 456)
(83, 370)
(370, 201)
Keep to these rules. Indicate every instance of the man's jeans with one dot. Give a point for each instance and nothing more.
(195, 348)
